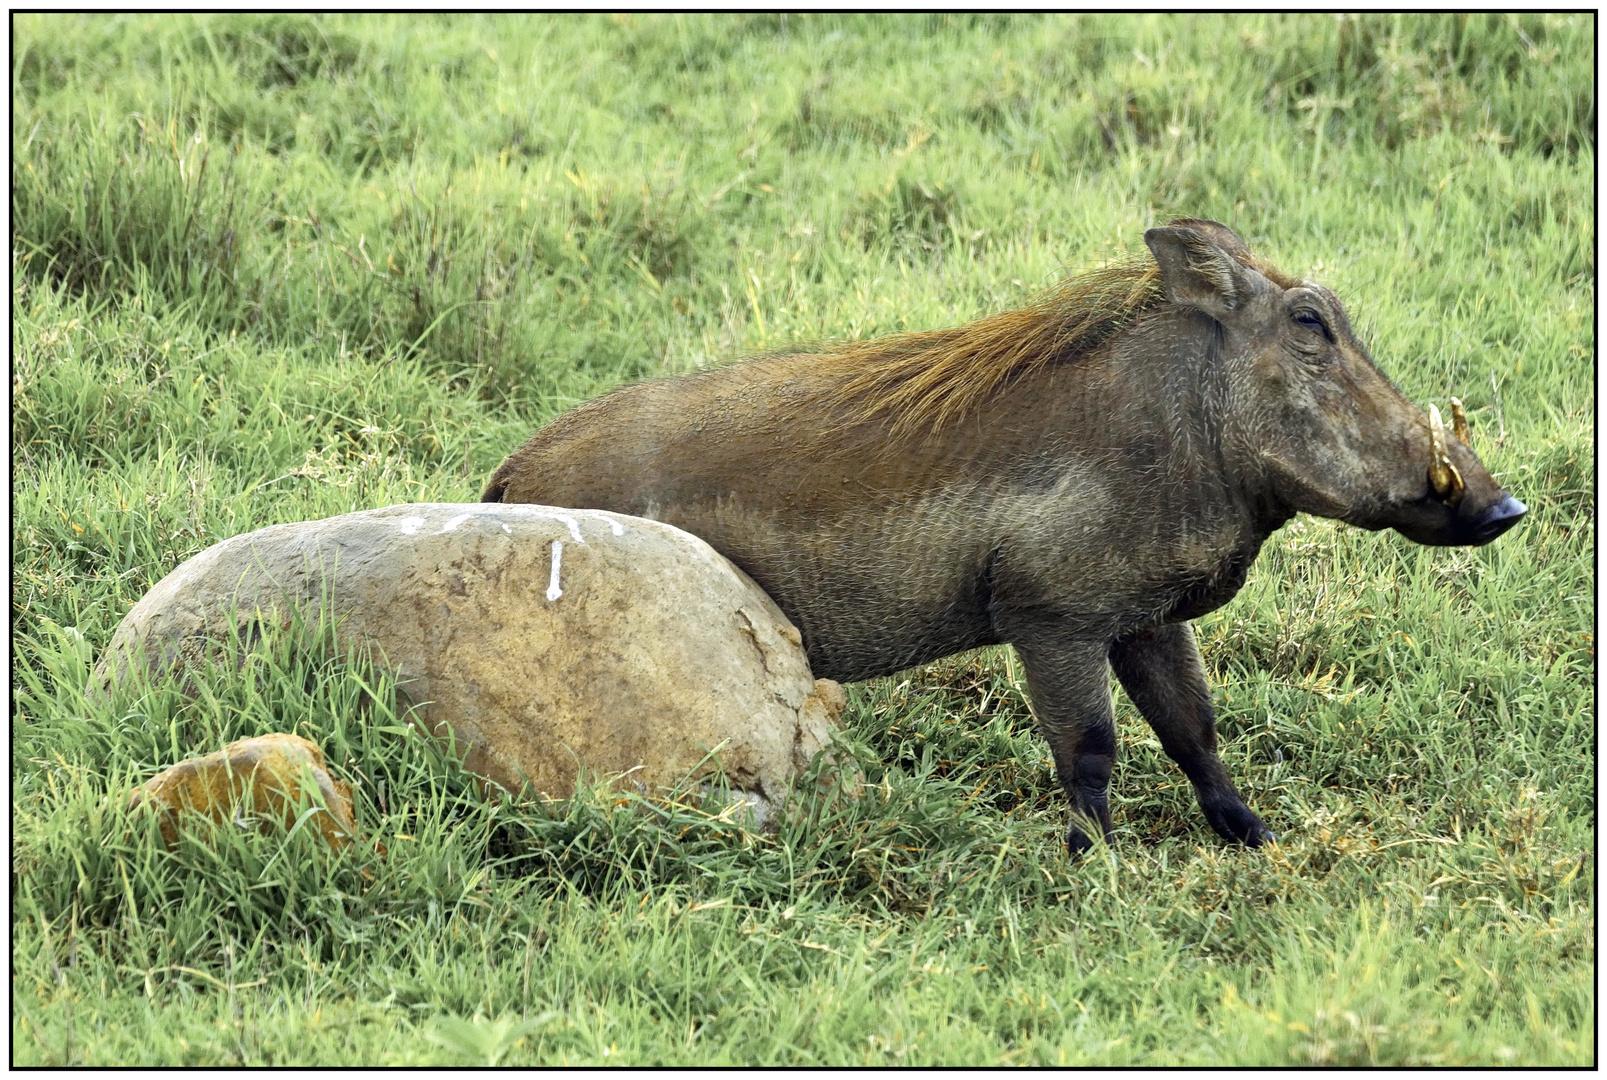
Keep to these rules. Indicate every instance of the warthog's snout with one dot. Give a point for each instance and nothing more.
(1464, 506)
(1497, 519)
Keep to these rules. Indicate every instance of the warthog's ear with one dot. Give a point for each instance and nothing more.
(1216, 232)
(1197, 271)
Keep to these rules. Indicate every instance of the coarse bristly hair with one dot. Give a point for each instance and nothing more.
(920, 383)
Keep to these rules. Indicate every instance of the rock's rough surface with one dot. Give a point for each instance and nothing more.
(544, 638)
(270, 776)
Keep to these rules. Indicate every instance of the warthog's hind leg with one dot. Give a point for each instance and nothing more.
(1161, 671)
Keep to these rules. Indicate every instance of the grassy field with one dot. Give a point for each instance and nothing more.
(275, 268)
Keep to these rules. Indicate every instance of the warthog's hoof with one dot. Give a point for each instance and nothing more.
(1235, 821)
(1078, 842)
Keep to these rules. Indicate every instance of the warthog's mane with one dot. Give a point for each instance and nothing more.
(923, 382)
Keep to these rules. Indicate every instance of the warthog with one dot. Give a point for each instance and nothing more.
(1078, 478)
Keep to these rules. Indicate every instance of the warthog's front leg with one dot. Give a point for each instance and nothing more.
(1161, 671)
(1070, 686)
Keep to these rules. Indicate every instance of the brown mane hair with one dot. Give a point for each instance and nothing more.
(929, 379)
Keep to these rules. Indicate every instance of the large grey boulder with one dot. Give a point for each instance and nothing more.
(545, 639)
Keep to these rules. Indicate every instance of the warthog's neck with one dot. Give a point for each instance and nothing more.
(1129, 502)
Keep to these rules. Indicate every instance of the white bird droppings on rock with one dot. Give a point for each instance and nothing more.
(574, 526)
(554, 590)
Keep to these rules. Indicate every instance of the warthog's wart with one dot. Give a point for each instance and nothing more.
(1078, 478)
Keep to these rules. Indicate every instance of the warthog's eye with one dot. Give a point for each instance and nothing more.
(1313, 322)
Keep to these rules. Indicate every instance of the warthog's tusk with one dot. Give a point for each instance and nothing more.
(1459, 424)
(1441, 473)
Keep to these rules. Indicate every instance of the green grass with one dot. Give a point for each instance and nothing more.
(271, 268)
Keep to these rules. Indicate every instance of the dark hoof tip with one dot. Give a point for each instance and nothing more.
(1078, 845)
(1235, 821)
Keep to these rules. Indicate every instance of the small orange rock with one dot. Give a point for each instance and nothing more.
(263, 777)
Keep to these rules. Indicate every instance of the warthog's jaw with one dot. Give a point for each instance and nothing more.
(1430, 521)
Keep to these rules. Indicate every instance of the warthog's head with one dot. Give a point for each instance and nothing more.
(1309, 410)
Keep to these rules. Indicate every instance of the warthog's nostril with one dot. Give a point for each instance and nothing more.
(1497, 519)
